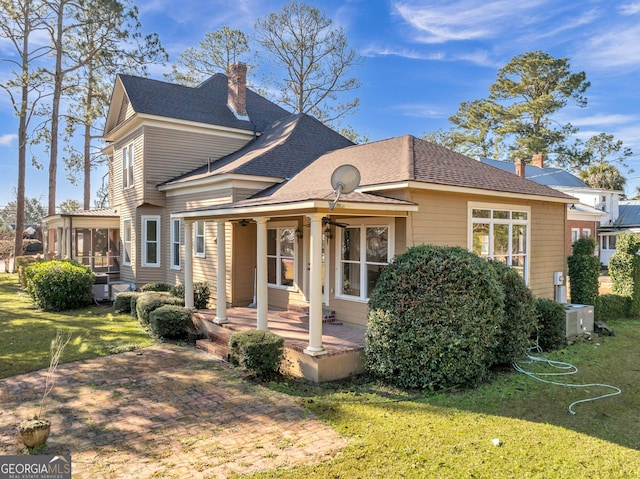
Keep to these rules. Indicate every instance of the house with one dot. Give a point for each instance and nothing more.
(217, 184)
(595, 212)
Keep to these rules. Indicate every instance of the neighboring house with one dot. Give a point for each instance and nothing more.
(628, 221)
(217, 184)
(593, 214)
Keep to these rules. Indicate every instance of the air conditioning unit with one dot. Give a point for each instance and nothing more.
(119, 287)
(579, 320)
(101, 288)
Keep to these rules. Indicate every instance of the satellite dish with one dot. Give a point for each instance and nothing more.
(344, 179)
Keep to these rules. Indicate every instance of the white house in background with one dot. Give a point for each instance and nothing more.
(597, 212)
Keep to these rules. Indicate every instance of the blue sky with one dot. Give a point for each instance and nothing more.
(421, 59)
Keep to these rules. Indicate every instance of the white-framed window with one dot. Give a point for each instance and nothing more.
(586, 232)
(282, 262)
(501, 233)
(176, 228)
(126, 240)
(609, 242)
(127, 166)
(151, 241)
(364, 249)
(575, 234)
(199, 244)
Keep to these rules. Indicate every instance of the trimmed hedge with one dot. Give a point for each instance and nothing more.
(584, 270)
(551, 332)
(434, 319)
(59, 285)
(148, 301)
(170, 321)
(201, 294)
(624, 269)
(123, 301)
(519, 319)
(158, 287)
(612, 306)
(259, 352)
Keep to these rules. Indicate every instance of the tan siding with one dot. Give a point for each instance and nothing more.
(240, 194)
(548, 231)
(170, 153)
(146, 274)
(441, 220)
(132, 196)
(243, 264)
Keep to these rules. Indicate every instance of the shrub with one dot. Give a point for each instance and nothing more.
(32, 246)
(134, 304)
(123, 301)
(150, 300)
(158, 287)
(59, 285)
(612, 306)
(434, 319)
(20, 263)
(519, 319)
(170, 321)
(584, 269)
(551, 332)
(201, 294)
(624, 269)
(259, 352)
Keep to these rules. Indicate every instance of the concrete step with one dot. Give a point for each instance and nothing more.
(217, 350)
(328, 316)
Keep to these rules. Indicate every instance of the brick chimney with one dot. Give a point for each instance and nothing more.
(538, 160)
(237, 88)
(520, 168)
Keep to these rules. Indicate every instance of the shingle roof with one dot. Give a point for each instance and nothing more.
(206, 103)
(285, 148)
(408, 158)
(544, 176)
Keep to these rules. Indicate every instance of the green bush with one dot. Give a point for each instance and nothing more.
(134, 304)
(519, 319)
(170, 321)
(20, 263)
(550, 333)
(32, 246)
(434, 319)
(122, 304)
(150, 300)
(59, 285)
(157, 287)
(259, 352)
(621, 264)
(612, 306)
(584, 270)
(201, 294)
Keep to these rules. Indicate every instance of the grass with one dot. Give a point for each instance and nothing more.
(27, 332)
(398, 434)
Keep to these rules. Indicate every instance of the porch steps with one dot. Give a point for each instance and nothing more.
(301, 313)
(218, 343)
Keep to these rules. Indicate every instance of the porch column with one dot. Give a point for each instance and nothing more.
(221, 277)
(262, 299)
(315, 288)
(188, 264)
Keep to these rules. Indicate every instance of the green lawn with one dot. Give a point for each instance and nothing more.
(26, 332)
(394, 434)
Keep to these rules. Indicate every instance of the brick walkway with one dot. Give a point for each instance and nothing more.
(164, 411)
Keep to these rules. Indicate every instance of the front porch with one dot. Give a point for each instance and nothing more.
(344, 345)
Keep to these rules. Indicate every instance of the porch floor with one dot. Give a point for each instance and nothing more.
(336, 338)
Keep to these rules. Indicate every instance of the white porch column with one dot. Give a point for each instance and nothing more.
(188, 264)
(315, 288)
(262, 299)
(221, 276)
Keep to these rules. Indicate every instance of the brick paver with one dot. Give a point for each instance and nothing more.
(164, 411)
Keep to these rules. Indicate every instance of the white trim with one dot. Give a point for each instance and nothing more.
(206, 182)
(143, 220)
(175, 243)
(362, 224)
(124, 241)
(128, 163)
(277, 226)
(196, 253)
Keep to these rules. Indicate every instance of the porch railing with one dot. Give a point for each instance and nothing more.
(101, 263)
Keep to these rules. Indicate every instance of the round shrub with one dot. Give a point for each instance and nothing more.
(434, 319)
(259, 352)
(59, 285)
(122, 304)
(584, 270)
(201, 294)
(150, 300)
(170, 321)
(550, 333)
(519, 319)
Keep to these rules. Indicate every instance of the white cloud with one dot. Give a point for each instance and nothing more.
(421, 111)
(413, 54)
(629, 8)
(7, 140)
(615, 48)
(604, 120)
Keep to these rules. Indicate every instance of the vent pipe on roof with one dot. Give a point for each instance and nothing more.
(237, 88)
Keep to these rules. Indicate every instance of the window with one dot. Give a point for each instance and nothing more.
(501, 234)
(176, 227)
(364, 251)
(575, 234)
(199, 243)
(586, 232)
(127, 166)
(126, 251)
(281, 256)
(150, 241)
(609, 242)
